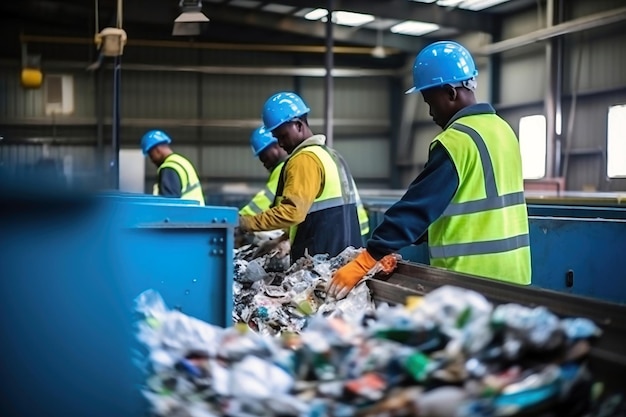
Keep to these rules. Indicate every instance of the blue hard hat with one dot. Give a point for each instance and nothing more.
(282, 108)
(153, 138)
(261, 139)
(441, 63)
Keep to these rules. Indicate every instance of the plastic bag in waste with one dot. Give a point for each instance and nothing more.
(461, 314)
(528, 328)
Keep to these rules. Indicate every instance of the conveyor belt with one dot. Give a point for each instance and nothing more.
(608, 356)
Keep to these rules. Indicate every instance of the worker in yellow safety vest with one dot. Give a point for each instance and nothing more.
(315, 196)
(469, 199)
(265, 147)
(272, 156)
(177, 176)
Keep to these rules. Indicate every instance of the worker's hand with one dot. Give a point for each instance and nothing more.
(350, 274)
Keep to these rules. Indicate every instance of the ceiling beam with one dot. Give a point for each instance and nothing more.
(464, 20)
(278, 22)
(149, 11)
(161, 13)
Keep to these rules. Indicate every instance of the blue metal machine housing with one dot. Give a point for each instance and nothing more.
(71, 266)
(574, 249)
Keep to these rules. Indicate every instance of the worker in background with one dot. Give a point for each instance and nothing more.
(177, 176)
(469, 198)
(315, 197)
(272, 156)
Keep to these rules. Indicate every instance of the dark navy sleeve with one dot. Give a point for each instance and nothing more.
(169, 183)
(425, 200)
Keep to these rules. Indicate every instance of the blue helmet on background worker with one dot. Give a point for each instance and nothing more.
(154, 138)
(261, 139)
(441, 63)
(282, 108)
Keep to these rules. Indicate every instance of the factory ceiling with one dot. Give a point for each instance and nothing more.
(403, 25)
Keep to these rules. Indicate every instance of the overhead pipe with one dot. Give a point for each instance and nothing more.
(182, 123)
(312, 49)
(572, 26)
(230, 70)
(328, 79)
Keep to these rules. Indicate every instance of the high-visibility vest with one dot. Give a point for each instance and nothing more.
(191, 189)
(484, 230)
(263, 199)
(339, 186)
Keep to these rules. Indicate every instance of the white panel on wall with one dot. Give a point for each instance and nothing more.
(616, 142)
(533, 144)
(132, 170)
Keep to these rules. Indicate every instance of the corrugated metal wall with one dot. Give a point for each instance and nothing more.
(209, 116)
(602, 82)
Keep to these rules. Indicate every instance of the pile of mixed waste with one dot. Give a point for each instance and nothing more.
(450, 354)
(272, 296)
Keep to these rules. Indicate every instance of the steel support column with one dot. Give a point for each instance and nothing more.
(495, 66)
(554, 66)
(328, 80)
(115, 127)
(99, 106)
(200, 113)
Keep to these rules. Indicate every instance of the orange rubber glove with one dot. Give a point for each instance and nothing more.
(350, 274)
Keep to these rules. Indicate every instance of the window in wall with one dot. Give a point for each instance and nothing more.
(532, 141)
(616, 142)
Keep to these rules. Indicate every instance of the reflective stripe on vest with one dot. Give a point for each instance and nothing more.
(484, 230)
(191, 189)
(263, 199)
(339, 186)
(364, 221)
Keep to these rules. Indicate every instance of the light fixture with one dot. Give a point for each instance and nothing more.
(341, 17)
(191, 21)
(379, 50)
(316, 14)
(111, 41)
(414, 28)
(474, 5)
(351, 18)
